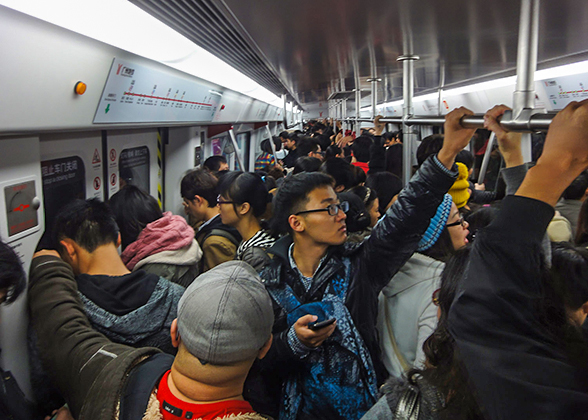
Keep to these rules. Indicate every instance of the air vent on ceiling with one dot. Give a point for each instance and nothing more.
(204, 23)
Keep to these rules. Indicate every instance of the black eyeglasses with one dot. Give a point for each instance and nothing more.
(333, 209)
(461, 222)
(220, 201)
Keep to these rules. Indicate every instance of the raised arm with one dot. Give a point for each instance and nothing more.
(517, 368)
(395, 238)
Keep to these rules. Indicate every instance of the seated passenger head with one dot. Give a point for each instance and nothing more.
(199, 191)
(341, 171)
(569, 279)
(306, 164)
(216, 164)
(361, 148)
(82, 227)
(369, 198)
(386, 185)
(225, 320)
(429, 146)
(12, 276)
(306, 206)
(577, 189)
(133, 210)
(447, 232)
(242, 195)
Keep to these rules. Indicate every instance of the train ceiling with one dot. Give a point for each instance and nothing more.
(310, 49)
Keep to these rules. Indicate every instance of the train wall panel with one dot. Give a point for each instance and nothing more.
(41, 64)
(19, 163)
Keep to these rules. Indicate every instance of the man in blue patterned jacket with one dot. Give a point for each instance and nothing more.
(333, 372)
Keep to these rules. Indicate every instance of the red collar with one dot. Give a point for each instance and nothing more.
(173, 408)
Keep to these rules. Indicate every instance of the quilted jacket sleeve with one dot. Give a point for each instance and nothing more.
(395, 238)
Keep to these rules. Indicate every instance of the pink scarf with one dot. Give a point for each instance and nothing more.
(166, 234)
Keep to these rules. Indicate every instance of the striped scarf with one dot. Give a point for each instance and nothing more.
(261, 239)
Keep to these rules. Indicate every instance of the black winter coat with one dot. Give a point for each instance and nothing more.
(373, 263)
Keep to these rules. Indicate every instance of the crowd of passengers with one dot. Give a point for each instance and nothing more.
(317, 287)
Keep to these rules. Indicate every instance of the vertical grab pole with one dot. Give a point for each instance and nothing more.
(407, 111)
(234, 141)
(271, 141)
(486, 159)
(524, 95)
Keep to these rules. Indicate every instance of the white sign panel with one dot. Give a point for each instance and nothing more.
(135, 93)
(563, 90)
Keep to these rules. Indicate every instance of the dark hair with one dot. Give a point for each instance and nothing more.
(133, 210)
(466, 157)
(306, 164)
(360, 175)
(245, 187)
(284, 135)
(386, 185)
(12, 275)
(293, 195)
(200, 182)
(213, 163)
(394, 159)
(341, 171)
(275, 172)
(430, 145)
(89, 223)
(447, 373)
(318, 126)
(582, 228)
(442, 249)
(307, 145)
(365, 194)
(277, 143)
(361, 148)
(480, 219)
(332, 151)
(577, 188)
(389, 135)
(565, 288)
(265, 146)
(358, 218)
(323, 140)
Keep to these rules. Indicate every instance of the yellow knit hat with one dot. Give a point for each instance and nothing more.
(459, 190)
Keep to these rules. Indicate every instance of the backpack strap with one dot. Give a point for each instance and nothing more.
(141, 381)
(223, 233)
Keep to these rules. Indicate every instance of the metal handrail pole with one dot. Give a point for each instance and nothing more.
(486, 159)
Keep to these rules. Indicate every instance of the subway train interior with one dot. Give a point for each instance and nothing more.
(95, 92)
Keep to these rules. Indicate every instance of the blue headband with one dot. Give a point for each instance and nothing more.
(437, 225)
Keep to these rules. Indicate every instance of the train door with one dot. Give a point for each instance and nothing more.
(132, 158)
(21, 226)
(71, 167)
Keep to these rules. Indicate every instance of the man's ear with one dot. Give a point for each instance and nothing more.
(68, 247)
(118, 240)
(296, 223)
(585, 308)
(265, 347)
(174, 333)
(339, 188)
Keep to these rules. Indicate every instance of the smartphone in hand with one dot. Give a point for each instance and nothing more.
(318, 325)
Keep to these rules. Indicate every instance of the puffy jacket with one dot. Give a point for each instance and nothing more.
(372, 264)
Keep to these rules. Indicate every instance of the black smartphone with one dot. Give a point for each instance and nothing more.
(322, 324)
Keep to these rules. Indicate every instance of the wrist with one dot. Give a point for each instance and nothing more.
(447, 157)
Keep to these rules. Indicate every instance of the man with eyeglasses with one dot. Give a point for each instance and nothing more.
(325, 361)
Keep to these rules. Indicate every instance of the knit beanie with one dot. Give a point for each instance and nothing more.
(459, 189)
(437, 225)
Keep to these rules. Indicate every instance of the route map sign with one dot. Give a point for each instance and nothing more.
(135, 93)
(563, 90)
